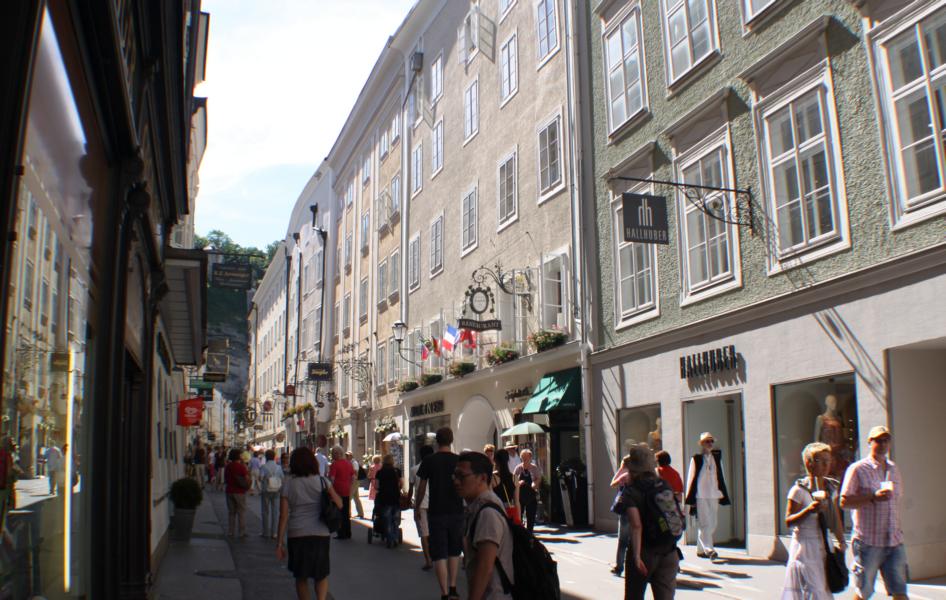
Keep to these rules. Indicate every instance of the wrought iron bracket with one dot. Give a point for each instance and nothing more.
(503, 280)
(697, 196)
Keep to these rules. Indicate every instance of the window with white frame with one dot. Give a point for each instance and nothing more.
(380, 365)
(365, 225)
(468, 221)
(554, 292)
(350, 193)
(508, 205)
(395, 270)
(348, 250)
(689, 27)
(393, 366)
(366, 169)
(550, 159)
(753, 8)
(800, 172)
(382, 279)
(625, 76)
(383, 143)
(395, 127)
(635, 279)
(346, 314)
(436, 332)
(413, 349)
(913, 62)
(318, 257)
(395, 194)
(413, 115)
(363, 299)
(436, 79)
(508, 68)
(707, 241)
(471, 109)
(315, 337)
(504, 6)
(338, 321)
(436, 245)
(546, 20)
(413, 263)
(436, 159)
(467, 36)
(417, 169)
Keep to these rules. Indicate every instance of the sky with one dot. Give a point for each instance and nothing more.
(282, 76)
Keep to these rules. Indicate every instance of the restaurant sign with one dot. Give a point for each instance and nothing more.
(477, 325)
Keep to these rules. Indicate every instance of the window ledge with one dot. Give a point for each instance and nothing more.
(508, 222)
(472, 247)
(545, 197)
(472, 136)
(756, 21)
(436, 272)
(629, 125)
(395, 217)
(548, 57)
(393, 297)
(382, 305)
(437, 172)
(362, 319)
(504, 101)
(712, 290)
(812, 253)
(916, 216)
(676, 86)
(638, 317)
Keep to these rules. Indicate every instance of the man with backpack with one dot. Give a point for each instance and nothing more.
(655, 524)
(271, 476)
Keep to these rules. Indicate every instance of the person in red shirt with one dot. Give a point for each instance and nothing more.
(342, 473)
(669, 474)
(237, 479)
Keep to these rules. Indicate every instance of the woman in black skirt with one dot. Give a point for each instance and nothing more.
(300, 509)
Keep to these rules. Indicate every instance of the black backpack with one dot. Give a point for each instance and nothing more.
(536, 574)
(662, 518)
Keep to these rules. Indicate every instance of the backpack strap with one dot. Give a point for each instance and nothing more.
(503, 578)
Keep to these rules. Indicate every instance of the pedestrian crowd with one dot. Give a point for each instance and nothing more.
(650, 501)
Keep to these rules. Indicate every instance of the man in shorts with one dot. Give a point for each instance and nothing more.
(420, 510)
(444, 512)
(872, 490)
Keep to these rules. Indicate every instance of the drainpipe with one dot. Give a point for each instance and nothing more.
(580, 175)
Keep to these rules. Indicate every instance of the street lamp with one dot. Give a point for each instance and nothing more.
(399, 328)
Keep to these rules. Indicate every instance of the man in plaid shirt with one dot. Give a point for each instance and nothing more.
(872, 489)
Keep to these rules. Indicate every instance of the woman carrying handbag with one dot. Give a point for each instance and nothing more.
(812, 511)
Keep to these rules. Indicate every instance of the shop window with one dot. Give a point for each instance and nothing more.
(640, 424)
(818, 410)
(419, 430)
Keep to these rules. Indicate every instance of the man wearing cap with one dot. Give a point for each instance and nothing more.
(872, 490)
(706, 490)
(655, 560)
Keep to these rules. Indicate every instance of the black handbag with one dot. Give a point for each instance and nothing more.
(331, 515)
(834, 565)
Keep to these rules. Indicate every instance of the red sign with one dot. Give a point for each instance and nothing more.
(190, 412)
(290, 390)
(267, 405)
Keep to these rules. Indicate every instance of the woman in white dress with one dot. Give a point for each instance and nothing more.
(805, 572)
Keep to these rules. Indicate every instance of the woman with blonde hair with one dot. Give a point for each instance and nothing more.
(372, 472)
(812, 497)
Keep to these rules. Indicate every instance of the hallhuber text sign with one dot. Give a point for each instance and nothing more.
(645, 218)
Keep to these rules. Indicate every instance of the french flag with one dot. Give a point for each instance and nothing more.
(450, 339)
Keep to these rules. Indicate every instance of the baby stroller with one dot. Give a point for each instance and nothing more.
(379, 527)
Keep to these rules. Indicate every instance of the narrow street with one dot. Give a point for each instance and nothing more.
(213, 566)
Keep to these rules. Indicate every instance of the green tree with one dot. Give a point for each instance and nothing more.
(234, 253)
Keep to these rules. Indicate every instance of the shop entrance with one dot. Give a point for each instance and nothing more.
(722, 416)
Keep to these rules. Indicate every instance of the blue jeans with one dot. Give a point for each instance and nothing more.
(624, 531)
(269, 510)
(392, 521)
(891, 561)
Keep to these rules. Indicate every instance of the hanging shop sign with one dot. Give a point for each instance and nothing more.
(477, 325)
(249, 415)
(207, 395)
(218, 365)
(190, 412)
(319, 371)
(199, 384)
(428, 408)
(516, 394)
(645, 218)
(267, 406)
(235, 277)
(290, 390)
(59, 362)
(708, 362)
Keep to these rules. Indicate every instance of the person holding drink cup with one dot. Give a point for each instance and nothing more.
(872, 491)
(812, 496)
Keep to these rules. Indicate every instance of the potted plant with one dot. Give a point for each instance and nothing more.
(459, 368)
(545, 339)
(408, 385)
(501, 354)
(186, 496)
(430, 378)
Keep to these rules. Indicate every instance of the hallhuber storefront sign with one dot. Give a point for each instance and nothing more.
(705, 363)
(428, 408)
(645, 218)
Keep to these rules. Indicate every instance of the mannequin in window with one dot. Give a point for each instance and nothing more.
(655, 437)
(829, 429)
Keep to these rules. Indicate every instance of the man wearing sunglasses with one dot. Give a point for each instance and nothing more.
(488, 540)
(872, 490)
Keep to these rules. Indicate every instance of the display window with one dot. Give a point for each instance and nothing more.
(43, 431)
(640, 424)
(422, 433)
(818, 410)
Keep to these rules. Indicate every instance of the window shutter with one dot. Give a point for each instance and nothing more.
(487, 36)
(463, 53)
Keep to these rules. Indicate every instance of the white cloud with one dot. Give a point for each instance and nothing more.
(282, 76)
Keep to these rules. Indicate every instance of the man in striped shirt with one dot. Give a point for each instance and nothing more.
(872, 489)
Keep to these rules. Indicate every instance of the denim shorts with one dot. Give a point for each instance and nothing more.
(890, 561)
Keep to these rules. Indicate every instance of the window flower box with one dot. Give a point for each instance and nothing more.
(408, 386)
(430, 378)
(459, 368)
(546, 339)
(501, 354)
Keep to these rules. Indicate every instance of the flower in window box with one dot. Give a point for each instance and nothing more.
(408, 386)
(430, 378)
(501, 354)
(459, 368)
(545, 339)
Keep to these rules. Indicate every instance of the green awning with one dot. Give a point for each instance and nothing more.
(560, 390)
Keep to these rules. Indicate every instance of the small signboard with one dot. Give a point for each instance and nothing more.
(59, 362)
(477, 325)
(645, 218)
(200, 384)
(319, 371)
(215, 377)
(237, 277)
(218, 364)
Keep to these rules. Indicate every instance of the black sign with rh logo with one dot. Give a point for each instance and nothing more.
(319, 371)
(645, 218)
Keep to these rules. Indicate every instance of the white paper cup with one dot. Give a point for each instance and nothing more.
(886, 485)
(820, 495)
